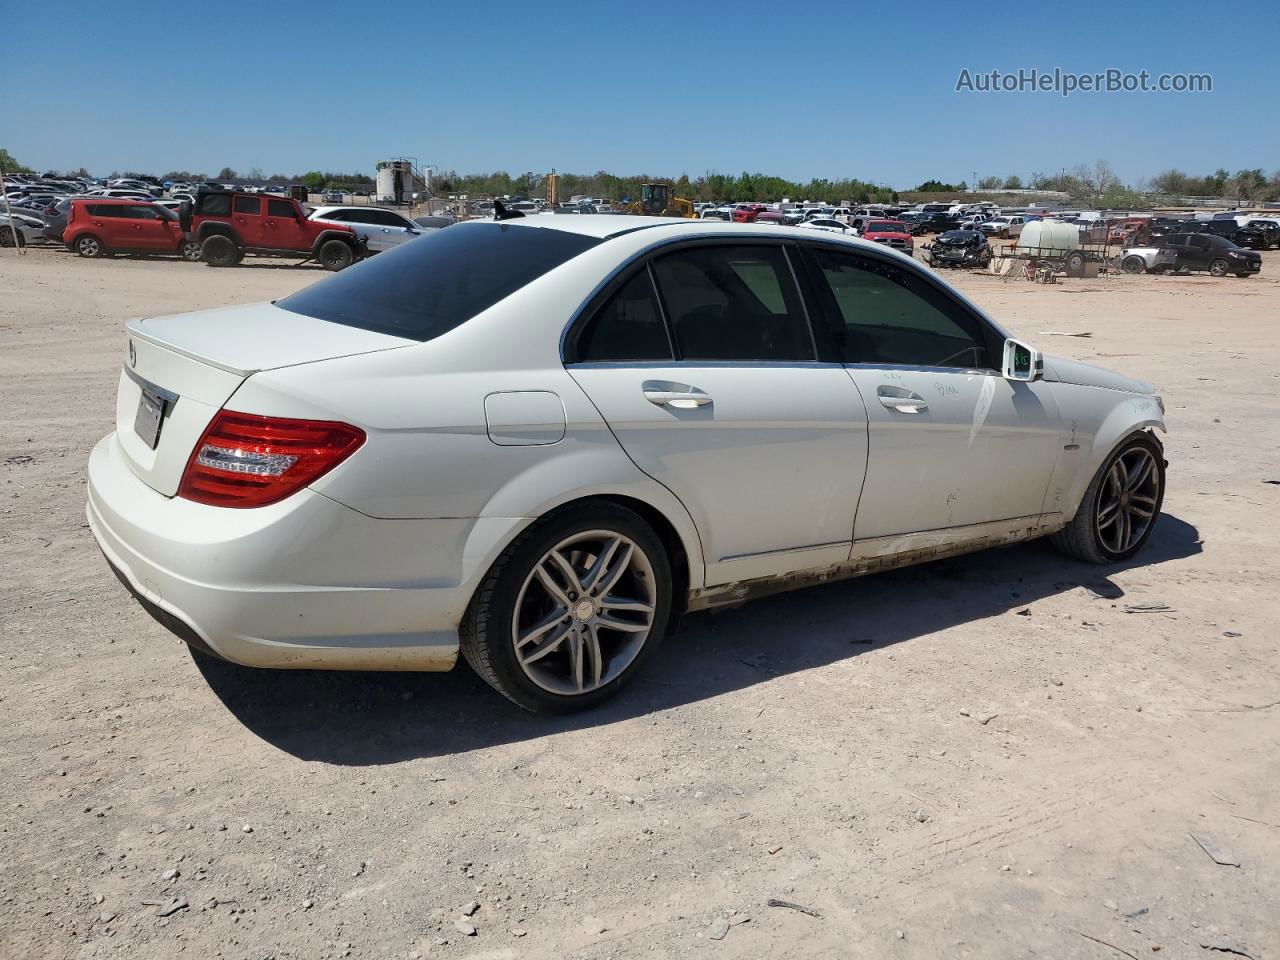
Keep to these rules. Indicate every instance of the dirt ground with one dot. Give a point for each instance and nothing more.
(985, 757)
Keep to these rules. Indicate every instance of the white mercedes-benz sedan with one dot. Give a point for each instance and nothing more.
(539, 441)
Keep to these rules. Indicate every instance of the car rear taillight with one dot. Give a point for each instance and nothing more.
(244, 460)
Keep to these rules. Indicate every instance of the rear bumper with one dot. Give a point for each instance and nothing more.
(306, 583)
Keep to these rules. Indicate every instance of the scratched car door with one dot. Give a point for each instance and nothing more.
(950, 441)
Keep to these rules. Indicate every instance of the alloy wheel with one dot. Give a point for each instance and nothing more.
(1127, 500)
(89, 247)
(584, 612)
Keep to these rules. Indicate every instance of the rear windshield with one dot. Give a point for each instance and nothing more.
(428, 286)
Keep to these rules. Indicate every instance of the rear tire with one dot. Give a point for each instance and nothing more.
(335, 255)
(1075, 264)
(190, 251)
(570, 657)
(87, 245)
(1115, 504)
(1219, 268)
(220, 251)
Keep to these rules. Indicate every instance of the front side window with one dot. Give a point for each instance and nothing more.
(249, 205)
(423, 289)
(892, 316)
(628, 327)
(733, 303)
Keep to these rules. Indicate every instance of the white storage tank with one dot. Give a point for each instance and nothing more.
(397, 182)
(1049, 237)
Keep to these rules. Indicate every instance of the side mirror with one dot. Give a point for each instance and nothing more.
(1022, 362)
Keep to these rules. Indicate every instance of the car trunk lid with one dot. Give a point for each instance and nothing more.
(180, 370)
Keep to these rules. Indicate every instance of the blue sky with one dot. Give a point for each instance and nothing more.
(808, 89)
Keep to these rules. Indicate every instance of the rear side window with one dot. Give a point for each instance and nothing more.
(104, 210)
(215, 204)
(279, 208)
(249, 205)
(423, 289)
(628, 327)
(733, 303)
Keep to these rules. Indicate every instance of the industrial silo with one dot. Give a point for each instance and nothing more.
(397, 181)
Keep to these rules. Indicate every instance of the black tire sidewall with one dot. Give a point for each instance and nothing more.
(210, 247)
(528, 551)
(1136, 440)
(327, 250)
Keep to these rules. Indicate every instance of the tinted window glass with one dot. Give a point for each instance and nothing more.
(893, 316)
(339, 215)
(279, 208)
(628, 327)
(250, 205)
(104, 210)
(215, 204)
(733, 303)
(423, 289)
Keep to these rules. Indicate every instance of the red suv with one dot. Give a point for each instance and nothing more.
(892, 233)
(101, 227)
(747, 212)
(227, 224)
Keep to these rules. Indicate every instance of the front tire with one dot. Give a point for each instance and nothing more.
(1133, 265)
(1121, 506)
(570, 610)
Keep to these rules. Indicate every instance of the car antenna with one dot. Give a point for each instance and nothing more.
(500, 212)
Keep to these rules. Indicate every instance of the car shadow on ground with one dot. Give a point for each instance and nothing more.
(362, 719)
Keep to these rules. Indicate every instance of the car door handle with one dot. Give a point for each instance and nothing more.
(902, 400)
(678, 395)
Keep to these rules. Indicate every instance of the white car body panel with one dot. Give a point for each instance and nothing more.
(475, 434)
(954, 455)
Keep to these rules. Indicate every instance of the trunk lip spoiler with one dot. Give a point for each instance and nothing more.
(135, 329)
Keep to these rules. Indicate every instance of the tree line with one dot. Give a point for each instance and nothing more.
(1096, 184)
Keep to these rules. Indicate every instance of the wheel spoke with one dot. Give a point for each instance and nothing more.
(575, 658)
(591, 647)
(613, 623)
(619, 605)
(566, 569)
(549, 647)
(542, 627)
(1141, 512)
(1122, 530)
(601, 566)
(1119, 475)
(1139, 477)
(549, 583)
(610, 579)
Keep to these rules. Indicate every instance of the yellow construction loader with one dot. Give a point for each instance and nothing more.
(656, 200)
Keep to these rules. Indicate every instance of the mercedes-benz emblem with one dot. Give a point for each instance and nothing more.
(133, 355)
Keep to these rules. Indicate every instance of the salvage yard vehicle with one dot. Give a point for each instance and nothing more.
(539, 441)
(1004, 227)
(380, 229)
(101, 226)
(960, 248)
(1217, 255)
(227, 224)
(1147, 259)
(892, 233)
